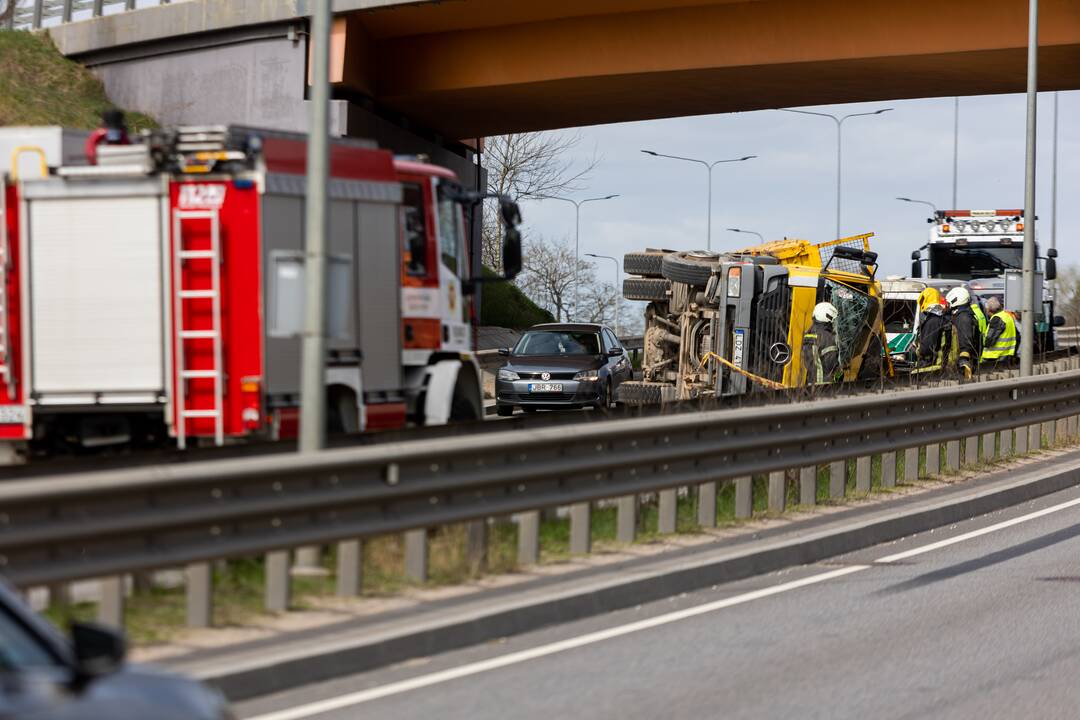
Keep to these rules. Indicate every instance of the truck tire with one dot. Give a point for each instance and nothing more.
(646, 288)
(648, 264)
(639, 392)
(692, 267)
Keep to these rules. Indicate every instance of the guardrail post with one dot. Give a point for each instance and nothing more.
(971, 451)
(1020, 440)
(706, 507)
(416, 555)
(911, 464)
(744, 497)
(66, 17)
(39, 10)
(888, 470)
(200, 595)
(667, 513)
(837, 478)
(1071, 426)
(111, 606)
(626, 518)
(350, 568)
(952, 456)
(99, 7)
(808, 485)
(580, 528)
(1061, 431)
(988, 441)
(933, 459)
(862, 475)
(1034, 437)
(1049, 432)
(777, 490)
(277, 581)
(476, 546)
(1005, 444)
(529, 538)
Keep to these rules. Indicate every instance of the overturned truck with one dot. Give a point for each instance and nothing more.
(721, 325)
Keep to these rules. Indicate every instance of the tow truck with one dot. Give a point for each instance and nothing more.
(985, 248)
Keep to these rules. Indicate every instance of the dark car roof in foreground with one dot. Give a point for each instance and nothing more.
(573, 327)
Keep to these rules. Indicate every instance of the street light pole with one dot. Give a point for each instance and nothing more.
(1027, 306)
(708, 169)
(920, 202)
(618, 285)
(839, 145)
(955, 149)
(577, 239)
(748, 232)
(1053, 185)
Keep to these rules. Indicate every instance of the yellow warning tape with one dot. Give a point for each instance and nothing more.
(771, 384)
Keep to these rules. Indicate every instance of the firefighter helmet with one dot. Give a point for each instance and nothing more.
(928, 298)
(958, 297)
(825, 312)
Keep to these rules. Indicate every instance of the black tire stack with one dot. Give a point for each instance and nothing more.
(649, 285)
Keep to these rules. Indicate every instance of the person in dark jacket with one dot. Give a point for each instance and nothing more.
(969, 324)
(935, 333)
(820, 351)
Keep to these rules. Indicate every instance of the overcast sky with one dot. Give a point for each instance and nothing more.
(790, 189)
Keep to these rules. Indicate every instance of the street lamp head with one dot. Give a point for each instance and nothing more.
(748, 157)
(883, 110)
(591, 255)
(905, 199)
(611, 197)
(650, 152)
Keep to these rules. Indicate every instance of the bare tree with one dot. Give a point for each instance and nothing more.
(547, 276)
(1067, 295)
(526, 166)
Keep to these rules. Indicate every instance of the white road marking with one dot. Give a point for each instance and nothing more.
(977, 533)
(403, 686)
(363, 696)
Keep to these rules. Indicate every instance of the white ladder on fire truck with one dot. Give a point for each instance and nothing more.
(185, 334)
(5, 264)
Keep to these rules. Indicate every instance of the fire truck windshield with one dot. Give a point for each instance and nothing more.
(973, 261)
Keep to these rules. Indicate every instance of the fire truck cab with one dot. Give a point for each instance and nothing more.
(159, 293)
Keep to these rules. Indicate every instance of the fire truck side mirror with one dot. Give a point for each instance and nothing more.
(511, 253)
(1052, 253)
(511, 213)
(1050, 268)
(916, 265)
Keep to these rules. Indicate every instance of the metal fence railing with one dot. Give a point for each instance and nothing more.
(36, 14)
(105, 525)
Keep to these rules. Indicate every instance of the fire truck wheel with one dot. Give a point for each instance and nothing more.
(646, 264)
(691, 267)
(638, 392)
(646, 288)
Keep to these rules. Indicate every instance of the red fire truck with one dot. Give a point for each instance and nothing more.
(158, 294)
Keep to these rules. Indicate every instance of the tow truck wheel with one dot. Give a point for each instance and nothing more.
(692, 267)
(638, 392)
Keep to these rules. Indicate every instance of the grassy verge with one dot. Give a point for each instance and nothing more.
(39, 86)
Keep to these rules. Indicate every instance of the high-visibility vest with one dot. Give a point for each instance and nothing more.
(1005, 346)
(980, 317)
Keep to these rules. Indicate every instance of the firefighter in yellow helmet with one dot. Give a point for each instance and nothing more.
(935, 333)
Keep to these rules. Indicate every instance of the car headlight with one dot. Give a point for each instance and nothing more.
(588, 375)
(505, 374)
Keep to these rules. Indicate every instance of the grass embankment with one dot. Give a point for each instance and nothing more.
(39, 86)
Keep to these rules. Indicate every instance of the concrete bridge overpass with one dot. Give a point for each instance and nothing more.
(469, 68)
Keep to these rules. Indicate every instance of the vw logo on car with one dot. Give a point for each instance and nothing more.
(545, 376)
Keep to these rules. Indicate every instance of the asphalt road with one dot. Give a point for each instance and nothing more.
(977, 620)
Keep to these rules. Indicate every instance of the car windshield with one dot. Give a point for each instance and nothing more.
(558, 342)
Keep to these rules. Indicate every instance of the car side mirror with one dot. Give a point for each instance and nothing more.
(505, 352)
(1050, 268)
(615, 352)
(1059, 321)
(98, 650)
(1052, 253)
(511, 253)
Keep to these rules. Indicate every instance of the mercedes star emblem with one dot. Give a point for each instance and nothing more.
(780, 353)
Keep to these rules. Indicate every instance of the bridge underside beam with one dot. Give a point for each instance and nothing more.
(431, 63)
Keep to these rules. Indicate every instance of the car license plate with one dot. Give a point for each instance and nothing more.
(545, 387)
(12, 414)
(738, 347)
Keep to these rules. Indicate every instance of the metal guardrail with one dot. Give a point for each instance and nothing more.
(36, 14)
(107, 524)
(1067, 336)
